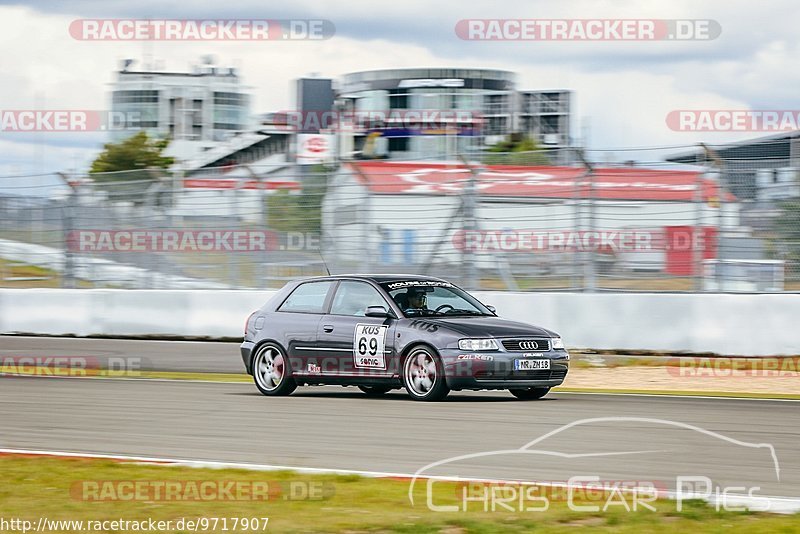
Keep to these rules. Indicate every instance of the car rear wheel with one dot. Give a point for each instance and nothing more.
(375, 391)
(271, 371)
(423, 375)
(530, 393)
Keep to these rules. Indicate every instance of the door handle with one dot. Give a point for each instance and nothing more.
(327, 328)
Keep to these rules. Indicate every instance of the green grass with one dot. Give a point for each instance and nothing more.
(54, 488)
(11, 270)
(24, 276)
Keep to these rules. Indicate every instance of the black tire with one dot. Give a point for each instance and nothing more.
(269, 361)
(375, 391)
(424, 360)
(530, 393)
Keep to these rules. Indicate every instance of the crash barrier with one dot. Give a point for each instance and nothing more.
(748, 325)
(120, 312)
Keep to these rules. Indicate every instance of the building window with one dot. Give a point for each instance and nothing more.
(398, 144)
(230, 99)
(134, 97)
(398, 101)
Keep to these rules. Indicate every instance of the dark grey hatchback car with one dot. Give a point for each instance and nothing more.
(384, 332)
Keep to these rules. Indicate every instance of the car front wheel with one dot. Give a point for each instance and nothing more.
(271, 371)
(423, 375)
(530, 393)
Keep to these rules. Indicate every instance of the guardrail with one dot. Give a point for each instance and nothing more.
(746, 325)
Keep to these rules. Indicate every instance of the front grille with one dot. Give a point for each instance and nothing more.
(520, 345)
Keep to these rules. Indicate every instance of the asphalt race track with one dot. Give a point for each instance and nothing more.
(652, 439)
(185, 356)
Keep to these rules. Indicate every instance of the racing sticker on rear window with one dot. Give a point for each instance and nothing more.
(368, 346)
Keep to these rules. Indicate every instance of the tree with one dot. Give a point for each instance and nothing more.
(293, 212)
(136, 153)
(516, 150)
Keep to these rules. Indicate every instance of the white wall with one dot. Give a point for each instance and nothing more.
(728, 324)
(212, 313)
(719, 323)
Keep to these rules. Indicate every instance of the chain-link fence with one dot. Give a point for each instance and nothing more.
(666, 219)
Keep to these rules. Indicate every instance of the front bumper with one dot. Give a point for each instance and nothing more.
(495, 370)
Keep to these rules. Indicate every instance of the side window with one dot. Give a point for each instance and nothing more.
(353, 298)
(307, 298)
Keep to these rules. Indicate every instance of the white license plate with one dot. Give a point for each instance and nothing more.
(531, 365)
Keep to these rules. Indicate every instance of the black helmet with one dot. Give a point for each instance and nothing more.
(417, 293)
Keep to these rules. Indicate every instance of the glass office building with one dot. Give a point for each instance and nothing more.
(208, 104)
(476, 108)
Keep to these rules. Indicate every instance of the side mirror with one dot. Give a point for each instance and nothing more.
(491, 308)
(377, 311)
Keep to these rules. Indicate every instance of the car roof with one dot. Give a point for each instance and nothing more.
(379, 278)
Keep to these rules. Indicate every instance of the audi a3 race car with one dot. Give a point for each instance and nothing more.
(384, 332)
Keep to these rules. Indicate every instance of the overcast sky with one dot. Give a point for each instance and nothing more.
(623, 90)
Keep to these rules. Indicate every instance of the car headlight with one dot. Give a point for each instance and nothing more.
(477, 344)
(558, 343)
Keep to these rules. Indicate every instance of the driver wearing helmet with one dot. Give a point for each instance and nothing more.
(414, 299)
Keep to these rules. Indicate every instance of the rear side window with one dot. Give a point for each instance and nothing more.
(307, 298)
(353, 298)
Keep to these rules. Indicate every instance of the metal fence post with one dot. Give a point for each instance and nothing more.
(263, 220)
(720, 165)
(578, 214)
(697, 249)
(590, 271)
(67, 227)
(469, 204)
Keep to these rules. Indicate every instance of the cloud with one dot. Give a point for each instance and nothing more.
(623, 90)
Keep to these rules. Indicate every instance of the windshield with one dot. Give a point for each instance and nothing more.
(424, 298)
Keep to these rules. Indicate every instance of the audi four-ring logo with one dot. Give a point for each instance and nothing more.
(528, 345)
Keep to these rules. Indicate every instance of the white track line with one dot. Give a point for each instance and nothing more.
(776, 504)
(205, 464)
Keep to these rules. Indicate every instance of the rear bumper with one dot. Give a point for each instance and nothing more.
(246, 348)
(495, 370)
